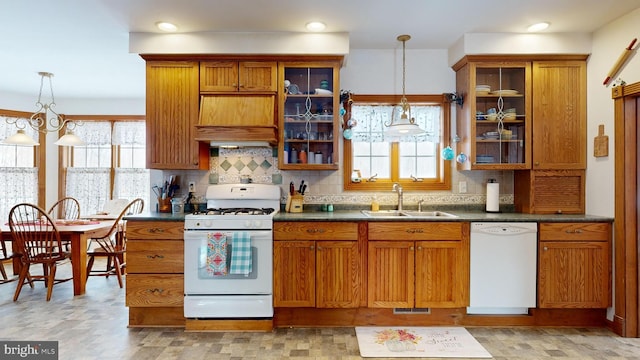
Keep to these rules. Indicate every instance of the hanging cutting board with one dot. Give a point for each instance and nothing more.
(601, 143)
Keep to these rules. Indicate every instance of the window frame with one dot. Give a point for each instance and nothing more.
(442, 182)
(39, 153)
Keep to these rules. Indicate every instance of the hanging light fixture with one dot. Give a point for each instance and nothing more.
(44, 120)
(406, 125)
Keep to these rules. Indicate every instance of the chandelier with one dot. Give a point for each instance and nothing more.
(44, 120)
(406, 125)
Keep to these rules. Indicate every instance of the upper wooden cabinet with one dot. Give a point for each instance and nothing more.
(547, 94)
(309, 115)
(559, 115)
(230, 76)
(494, 124)
(172, 113)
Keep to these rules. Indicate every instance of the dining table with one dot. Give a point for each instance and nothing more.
(78, 233)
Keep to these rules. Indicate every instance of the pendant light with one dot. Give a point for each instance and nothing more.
(44, 120)
(406, 125)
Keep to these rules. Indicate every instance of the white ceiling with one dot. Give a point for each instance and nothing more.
(85, 42)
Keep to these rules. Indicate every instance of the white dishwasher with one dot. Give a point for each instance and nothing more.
(503, 268)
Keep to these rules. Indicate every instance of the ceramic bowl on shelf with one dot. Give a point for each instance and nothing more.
(323, 92)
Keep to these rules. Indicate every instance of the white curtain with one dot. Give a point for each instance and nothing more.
(18, 174)
(132, 179)
(90, 186)
(89, 179)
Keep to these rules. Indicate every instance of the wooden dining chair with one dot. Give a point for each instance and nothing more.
(38, 242)
(67, 208)
(113, 245)
(6, 253)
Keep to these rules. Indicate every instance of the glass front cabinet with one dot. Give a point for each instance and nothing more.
(494, 124)
(309, 115)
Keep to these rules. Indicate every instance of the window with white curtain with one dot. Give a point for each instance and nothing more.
(18, 170)
(110, 166)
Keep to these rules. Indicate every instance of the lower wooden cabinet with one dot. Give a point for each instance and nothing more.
(574, 269)
(418, 264)
(316, 264)
(155, 267)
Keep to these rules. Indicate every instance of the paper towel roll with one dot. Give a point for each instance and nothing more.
(493, 197)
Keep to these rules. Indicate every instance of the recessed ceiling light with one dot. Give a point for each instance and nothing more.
(166, 26)
(316, 26)
(538, 27)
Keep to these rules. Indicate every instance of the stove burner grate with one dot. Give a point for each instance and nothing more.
(236, 211)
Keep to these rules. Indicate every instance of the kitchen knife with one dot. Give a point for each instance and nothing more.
(292, 189)
(304, 188)
(301, 185)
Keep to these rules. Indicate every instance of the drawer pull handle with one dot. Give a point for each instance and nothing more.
(576, 231)
(156, 230)
(314, 231)
(415, 231)
(156, 290)
(155, 256)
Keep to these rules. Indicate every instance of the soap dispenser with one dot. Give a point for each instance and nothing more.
(375, 206)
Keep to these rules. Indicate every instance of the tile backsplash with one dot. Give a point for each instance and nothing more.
(261, 166)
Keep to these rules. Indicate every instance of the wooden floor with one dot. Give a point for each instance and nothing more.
(94, 326)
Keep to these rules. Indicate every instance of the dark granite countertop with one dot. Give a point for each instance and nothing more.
(357, 215)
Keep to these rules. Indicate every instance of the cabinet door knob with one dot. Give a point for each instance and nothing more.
(411, 248)
(545, 248)
(311, 247)
(419, 248)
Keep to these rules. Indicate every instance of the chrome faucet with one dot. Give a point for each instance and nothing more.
(398, 188)
(420, 205)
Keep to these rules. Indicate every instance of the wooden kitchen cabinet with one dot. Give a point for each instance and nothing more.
(574, 265)
(155, 269)
(309, 115)
(172, 105)
(499, 140)
(233, 76)
(316, 264)
(549, 191)
(559, 125)
(418, 264)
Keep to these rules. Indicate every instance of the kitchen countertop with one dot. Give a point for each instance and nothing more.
(357, 215)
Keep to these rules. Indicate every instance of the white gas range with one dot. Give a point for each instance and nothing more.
(229, 253)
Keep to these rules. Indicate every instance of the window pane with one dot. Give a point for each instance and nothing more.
(18, 174)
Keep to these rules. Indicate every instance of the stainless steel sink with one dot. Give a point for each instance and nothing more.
(384, 213)
(407, 213)
(429, 214)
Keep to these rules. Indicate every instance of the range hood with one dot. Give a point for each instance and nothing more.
(239, 144)
(237, 120)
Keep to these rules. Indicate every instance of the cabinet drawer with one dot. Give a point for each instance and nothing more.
(154, 290)
(160, 257)
(155, 229)
(415, 231)
(294, 230)
(575, 231)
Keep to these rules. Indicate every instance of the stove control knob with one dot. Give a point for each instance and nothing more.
(257, 224)
(208, 224)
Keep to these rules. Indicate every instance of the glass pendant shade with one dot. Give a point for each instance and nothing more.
(406, 125)
(70, 139)
(20, 138)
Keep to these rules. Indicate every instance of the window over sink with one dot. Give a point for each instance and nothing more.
(373, 161)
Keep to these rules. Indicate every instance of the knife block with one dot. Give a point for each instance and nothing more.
(294, 203)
